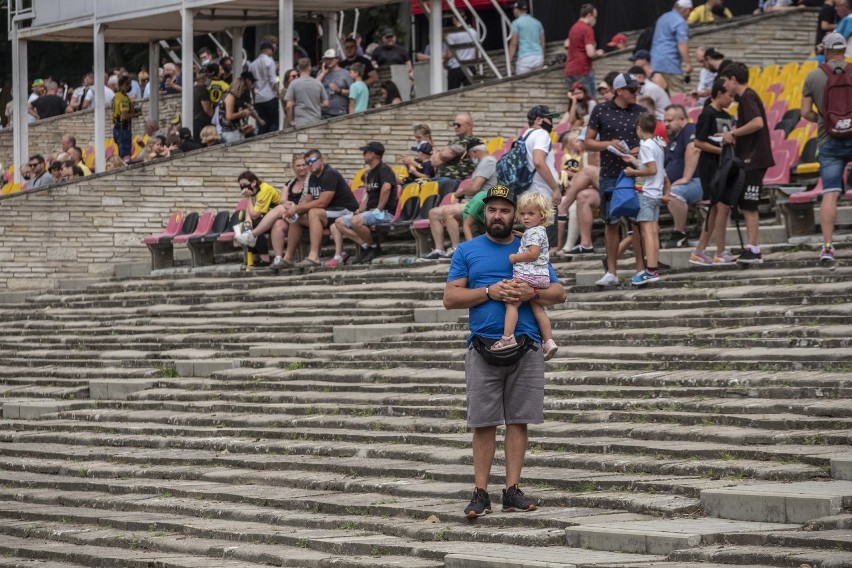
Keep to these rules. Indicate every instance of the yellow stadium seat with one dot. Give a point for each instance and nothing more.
(495, 144)
(358, 180)
(400, 171)
(768, 98)
(732, 110)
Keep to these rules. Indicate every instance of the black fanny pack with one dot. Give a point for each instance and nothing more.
(503, 357)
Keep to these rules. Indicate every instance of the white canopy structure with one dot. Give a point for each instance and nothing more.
(101, 21)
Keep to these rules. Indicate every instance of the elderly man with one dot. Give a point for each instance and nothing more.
(449, 217)
(670, 47)
(453, 161)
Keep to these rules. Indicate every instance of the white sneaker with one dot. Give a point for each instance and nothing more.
(278, 263)
(609, 279)
(246, 239)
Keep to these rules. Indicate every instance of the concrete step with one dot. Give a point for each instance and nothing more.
(841, 468)
(780, 557)
(779, 503)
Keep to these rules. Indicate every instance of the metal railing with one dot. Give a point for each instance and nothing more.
(18, 11)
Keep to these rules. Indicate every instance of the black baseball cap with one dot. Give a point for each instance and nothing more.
(473, 143)
(374, 147)
(423, 146)
(541, 111)
(387, 32)
(500, 192)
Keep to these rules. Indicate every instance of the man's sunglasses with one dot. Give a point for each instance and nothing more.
(310, 161)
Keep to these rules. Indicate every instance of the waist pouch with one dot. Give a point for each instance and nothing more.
(503, 357)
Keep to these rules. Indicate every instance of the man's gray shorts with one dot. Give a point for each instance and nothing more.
(504, 395)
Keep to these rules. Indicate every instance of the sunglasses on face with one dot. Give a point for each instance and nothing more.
(245, 186)
(632, 90)
(34, 164)
(456, 124)
(310, 161)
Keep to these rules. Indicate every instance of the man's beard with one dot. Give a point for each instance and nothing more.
(498, 230)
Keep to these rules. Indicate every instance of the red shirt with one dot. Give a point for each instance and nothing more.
(578, 61)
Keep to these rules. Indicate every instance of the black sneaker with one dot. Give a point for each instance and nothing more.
(362, 254)
(580, 249)
(515, 500)
(480, 504)
(676, 240)
(750, 257)
(368, 255)
(663, 266)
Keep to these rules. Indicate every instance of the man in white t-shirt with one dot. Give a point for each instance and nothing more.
(83, 95)
(540, 156)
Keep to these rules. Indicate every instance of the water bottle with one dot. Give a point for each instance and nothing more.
(293, 218)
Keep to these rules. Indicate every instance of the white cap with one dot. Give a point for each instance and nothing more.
(329, 54)
(684, 4)
(834, 41)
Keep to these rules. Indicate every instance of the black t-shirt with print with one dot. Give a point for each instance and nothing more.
(755, 149)
(710, 122)
(331, 180)
(615, 123)
(376, 178)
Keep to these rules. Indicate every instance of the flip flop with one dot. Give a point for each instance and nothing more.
(308, 263)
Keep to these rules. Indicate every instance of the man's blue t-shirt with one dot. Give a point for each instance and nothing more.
(670, 30)
(484, 262)
(529, 32)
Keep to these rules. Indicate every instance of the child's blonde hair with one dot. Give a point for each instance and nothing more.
(538, 201)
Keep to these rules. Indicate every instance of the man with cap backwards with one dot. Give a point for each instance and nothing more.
(612, 123)
(265, 88)
(527, 40)
(336, 82)
(480, 279)
(670, 48)
(377, 206)
(834, 153)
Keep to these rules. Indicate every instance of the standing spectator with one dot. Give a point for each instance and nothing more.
(359, 93)
(834, 153)
(336, 83)
(447, 217)
(681, 169)
(826, 21)
(377, 206)
(389, 53)
(651, 90)
(265, 88)
(670, 48)
(714, 118)
(709, 12)
(202, 108)
(710, 60)
(83, 95)
(527, 40)
(461, 34)
(217, 86)
(351, 56)
(50, 104)
(328, 197)
(37, 91)
(844, 21)
(234, 109)
(540, 157)
(480, 278)
(753, 148)
(172, 82)
(187, 142)
(305, 97)
(582, 50)
(299, 52)
(613, 123)
(123, 114)
(38, 176)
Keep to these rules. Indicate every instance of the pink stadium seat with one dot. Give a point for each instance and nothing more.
(776, 137)
(780, 106)
(205, 222)
(807, 196)
(772, 118)
(779, 174)
(227, 235)
(448, 199)
(359, 193)
(776, 88)
(791, 146)
(172, 227)
(561, 129)
(693, 113)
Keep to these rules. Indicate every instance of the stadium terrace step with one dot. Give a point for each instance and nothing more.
(841, 468)
(780, 557)
(792, 503)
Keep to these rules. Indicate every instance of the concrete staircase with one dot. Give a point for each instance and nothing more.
(318, 418)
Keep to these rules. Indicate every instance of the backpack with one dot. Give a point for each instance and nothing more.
(727, 185)
(646, 38)
(512, 168)
(837, 101)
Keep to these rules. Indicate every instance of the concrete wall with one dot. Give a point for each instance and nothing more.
(81, 230)
(46, 135)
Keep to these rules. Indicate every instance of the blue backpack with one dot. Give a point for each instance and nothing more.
(512, 169)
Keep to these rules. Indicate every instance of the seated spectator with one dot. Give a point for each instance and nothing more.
(764, 6)
(423, 132)
(49, 104)
(263, 202)
(605, 91)
(69, 171)
(420, 166)
(114, 163)
(172, 82)
(156, 148)
(388, 94)
(378, 206)
(652, 90)
(449, 217)
(209, 136)
(709, 12)
(452, 161)
(709, 60)
(37, 175)
(642, 58)
(145, 83)
(55, 170)
(328, 197)
(276, 222)
(574, 159)
(618, 41)
(580, 105)
(681, 164)
(186, 143)
(76, 155)
(473, 216)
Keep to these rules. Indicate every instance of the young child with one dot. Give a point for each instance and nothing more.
(359, 93)
(535, 212)
(655, 190)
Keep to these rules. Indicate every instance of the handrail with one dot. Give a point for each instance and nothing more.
(507, 31)
(476, 41)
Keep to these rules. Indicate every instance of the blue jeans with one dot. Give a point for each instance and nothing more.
(689, 192)
(588, 81)
(124, 138)
(833, 157)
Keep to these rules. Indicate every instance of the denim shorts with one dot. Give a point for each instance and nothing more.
(833, 157)
(370, 219)
(690, 192)
(605, 185)
(649, 209)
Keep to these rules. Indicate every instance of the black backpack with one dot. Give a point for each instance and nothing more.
(727, 185)
(646, 38)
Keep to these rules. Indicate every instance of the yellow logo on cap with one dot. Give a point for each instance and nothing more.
(500, 191)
